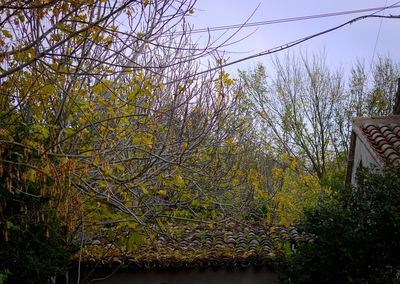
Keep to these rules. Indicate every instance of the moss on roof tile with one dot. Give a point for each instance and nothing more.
(188, 246)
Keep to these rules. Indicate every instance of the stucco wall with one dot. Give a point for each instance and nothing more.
(196, 276)
(363, 156)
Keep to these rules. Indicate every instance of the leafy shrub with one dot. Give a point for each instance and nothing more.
(31, 243)
(355, 237)
(3, 276)
(32, 250)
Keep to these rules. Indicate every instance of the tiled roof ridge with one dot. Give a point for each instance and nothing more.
(226, 245)
(202, 238)
(384, 139)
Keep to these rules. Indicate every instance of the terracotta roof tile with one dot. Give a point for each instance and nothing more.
(396, 130)
(384, 139)
(224, 245)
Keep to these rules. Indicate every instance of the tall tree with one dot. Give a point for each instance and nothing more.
(297, 108)
(100, 86)
(385, 73)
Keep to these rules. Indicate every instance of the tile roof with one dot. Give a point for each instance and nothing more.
(227, 245)
(384, 138)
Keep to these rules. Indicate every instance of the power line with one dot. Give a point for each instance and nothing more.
(292, 43)
(293, 19)
(376, 43)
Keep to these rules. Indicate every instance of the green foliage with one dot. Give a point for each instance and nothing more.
(31, 244)
(4, 275)
(284, 193)
(334, 183)
(355, 238)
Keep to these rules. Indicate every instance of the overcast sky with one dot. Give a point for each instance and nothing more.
(342, 47)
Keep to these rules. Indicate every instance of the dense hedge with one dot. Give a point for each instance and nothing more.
(32, 248)
(356, 236)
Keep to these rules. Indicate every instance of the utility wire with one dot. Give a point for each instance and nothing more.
(376, 43)
(289, 44)
(286, 20)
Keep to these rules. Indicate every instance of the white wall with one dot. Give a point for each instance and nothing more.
(364, 156)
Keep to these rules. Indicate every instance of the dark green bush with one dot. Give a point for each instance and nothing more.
(31, 243)
(356, 238)
(33, 250)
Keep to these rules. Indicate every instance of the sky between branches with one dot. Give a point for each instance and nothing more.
(364, 40)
